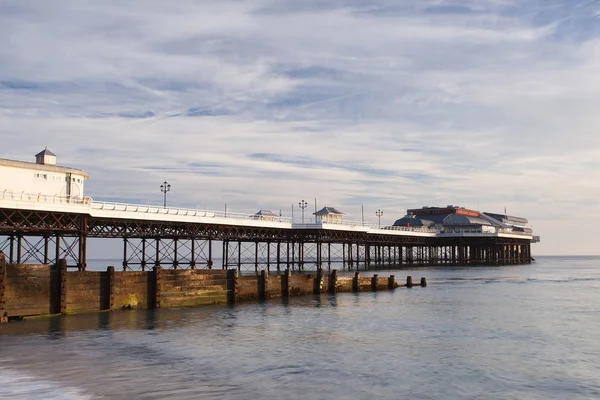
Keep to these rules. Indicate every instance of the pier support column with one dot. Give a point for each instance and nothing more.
(278, 255)
(19, 249)
(11, 252)
(210, 261)
(225, 260)
(46, 249)
(239, 260)
(143, 261)
(268, 257)
(256, 257)
(124, 254)
(157, 253)
(175, 251)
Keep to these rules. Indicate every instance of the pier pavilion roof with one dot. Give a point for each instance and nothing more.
(327, 211)
(464, 220)
(413, 220)
(265, 214)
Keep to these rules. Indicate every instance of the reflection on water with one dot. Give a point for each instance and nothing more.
(494, 333)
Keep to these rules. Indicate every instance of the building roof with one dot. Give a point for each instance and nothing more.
(464, 220)
(45, 152)
(328, 210)
(42, 167)
(266, 213)
(508, 218)
(413, 220)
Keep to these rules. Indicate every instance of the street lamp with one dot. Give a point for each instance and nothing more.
(165, 187)
(303, 205)
(379, 213)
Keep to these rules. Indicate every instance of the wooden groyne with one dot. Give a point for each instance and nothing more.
(34, 290)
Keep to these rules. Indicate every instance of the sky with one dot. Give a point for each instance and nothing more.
(381, 104)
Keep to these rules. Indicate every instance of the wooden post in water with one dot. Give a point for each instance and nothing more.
(232, 285)
(285, 283)
(156, 292)
(62, 271)
(392, 282)
(332, 282)
(263, 281)
(409, 282)
(374, 280)
(318, 283)
(356, 282)
(423, 282)
(3, 312)
(110, 272)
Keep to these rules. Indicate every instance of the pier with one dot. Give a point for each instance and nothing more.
(180, 257)
(44, 229)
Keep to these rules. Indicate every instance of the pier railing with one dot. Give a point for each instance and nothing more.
(148, 209)
(44, 198)
(153, 209)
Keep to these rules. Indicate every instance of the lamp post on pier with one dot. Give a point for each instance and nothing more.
(303, 205)
(165, 187)
(379, 213)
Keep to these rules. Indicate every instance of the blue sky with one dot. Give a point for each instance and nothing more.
(259, 104)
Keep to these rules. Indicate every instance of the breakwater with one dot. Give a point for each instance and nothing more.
(42, 289)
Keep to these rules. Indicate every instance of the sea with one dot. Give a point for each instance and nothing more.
(510, 332)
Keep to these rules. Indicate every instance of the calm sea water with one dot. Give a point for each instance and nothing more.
(518, 332)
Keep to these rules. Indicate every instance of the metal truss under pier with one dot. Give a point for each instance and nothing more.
(46, 236)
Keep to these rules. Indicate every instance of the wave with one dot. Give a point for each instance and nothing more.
(19, 385)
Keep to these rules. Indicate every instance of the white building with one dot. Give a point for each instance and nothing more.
(43, 177)
(329, 215)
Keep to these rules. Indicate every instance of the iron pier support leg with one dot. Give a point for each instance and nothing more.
(143, 261)
(225, 253)
(329, 256)
(19, 248)
(46, 250)
(193, 253)
(293, 255)
(239, 263)
(278, 255)
(124, 254)
(256, 257)
(268, 257)
(157, 259)
(175, 261)
(57, 249)
(11, 255)
(210, 254)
